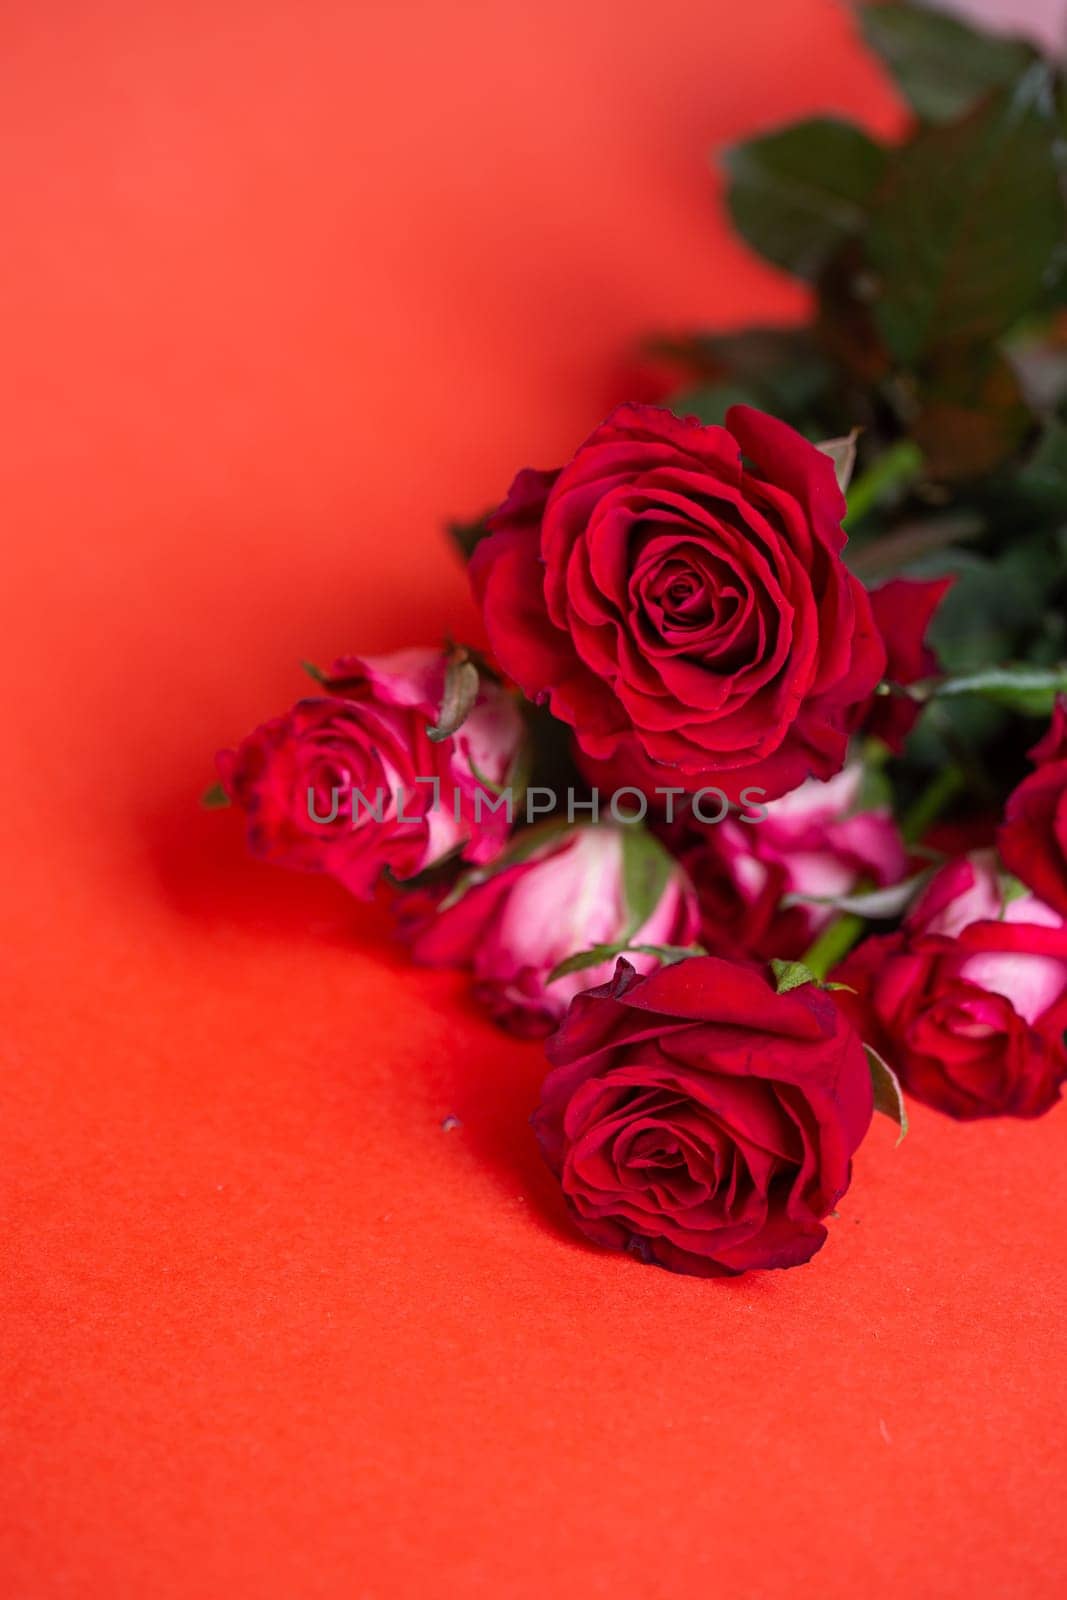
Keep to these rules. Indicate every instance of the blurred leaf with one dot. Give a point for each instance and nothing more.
(1029, 690)
(797, 194)
(315, 673)
(993, 606)
(844, 317)
(967, 223)
(886, 478)
(710, 402)
(1044, 477)
(955, 731)
(646, 871)
(888, 1096)
(876, 789)
(215, 798)
(888, 554)
(875, 904)
(972, 415)
(755, 355)
(940, 64)
(780, 370)
(467, 535)
(460, 693)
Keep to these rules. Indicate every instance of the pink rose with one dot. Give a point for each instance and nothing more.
(814, 842)
(968, 1001)
(349, 782)
(522, 920)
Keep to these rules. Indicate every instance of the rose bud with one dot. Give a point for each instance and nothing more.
(903, 610)
(518, 924)
(815, 842)
(700, 1119)
(967, 1002)
(677, 593)
(1033, 837)
(350, 782)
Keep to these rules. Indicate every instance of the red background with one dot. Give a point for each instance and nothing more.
(284, 285)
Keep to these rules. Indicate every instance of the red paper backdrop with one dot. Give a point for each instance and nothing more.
(285, 284)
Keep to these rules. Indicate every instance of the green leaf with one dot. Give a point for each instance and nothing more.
(796, 195)
(647, 868)
(584, 959)
(461, 691)
(215, 798)
(967, 224)
(940, 64)
(1031, 691)
(668, 954)
(466, 536)
(315, 673)
(888, 476)
(888, 1096)
(1011, 888)
(791, 975)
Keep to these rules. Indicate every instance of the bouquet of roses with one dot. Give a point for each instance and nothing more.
(735, 812)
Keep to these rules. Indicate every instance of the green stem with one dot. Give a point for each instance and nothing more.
(900, 465)
(928, 806)
(838, 937)
(834, 942)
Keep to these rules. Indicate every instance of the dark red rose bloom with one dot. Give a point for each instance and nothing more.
(677, 593)
(700, 1119)
(967, 1002)
(903, 610)
(1033, 837)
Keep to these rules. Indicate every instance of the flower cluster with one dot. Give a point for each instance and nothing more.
(732, 812)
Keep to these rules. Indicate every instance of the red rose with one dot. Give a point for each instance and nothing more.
(903, 610)
(349, 783)
(700, 1119)
(968, 1001)
(1033, 837)
(677, 592)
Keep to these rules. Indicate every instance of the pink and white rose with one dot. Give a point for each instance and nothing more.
(967, 1002)
(514, 927)
(350, 782)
